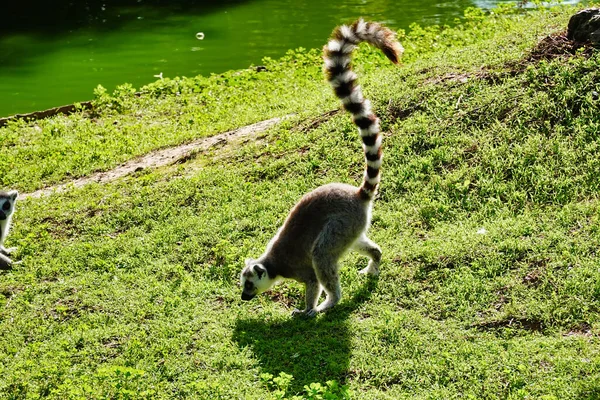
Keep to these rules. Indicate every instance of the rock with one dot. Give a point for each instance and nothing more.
(585, 26)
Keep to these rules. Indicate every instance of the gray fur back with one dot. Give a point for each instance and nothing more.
(333, 213)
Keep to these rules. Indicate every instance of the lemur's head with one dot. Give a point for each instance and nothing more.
(7, 203)
(254, 279)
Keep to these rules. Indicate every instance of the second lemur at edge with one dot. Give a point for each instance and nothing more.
(333, 218)
(7, 209)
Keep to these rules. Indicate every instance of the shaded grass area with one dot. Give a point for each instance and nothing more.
(487, 216)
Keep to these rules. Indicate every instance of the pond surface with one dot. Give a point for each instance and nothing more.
(52, 54)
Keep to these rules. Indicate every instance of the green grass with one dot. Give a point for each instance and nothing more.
(488, 217)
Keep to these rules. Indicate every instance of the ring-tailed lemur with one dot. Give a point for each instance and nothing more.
(7, 208)
(335, 217)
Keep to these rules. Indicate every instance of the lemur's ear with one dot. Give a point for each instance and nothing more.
(13, 194)
(259, 270)
(248, 262)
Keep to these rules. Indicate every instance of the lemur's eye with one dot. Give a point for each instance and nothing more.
(6, 206)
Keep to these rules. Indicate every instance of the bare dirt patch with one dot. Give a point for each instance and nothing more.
(558, 45)
(68, 109)
(583, 330)
(528, 324)
(314, 123)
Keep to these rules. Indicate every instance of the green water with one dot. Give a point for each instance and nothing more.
(60, 57)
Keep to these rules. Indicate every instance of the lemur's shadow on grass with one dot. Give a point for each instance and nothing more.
(312, 350)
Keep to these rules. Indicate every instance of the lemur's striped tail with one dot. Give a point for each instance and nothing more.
(336, 55)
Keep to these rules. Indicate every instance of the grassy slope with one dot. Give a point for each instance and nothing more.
(129, 289)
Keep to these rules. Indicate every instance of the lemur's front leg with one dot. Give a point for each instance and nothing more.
(313, 292)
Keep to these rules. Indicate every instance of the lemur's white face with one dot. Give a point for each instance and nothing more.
(254, 280)
(7, 204)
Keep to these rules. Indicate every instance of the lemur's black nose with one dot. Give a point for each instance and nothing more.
(246, 296)
(2, 215)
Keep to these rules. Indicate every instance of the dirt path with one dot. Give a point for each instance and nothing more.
(159, 158)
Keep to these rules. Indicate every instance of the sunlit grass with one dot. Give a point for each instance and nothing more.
(487, 216)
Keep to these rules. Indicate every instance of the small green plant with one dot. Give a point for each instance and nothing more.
(279, 388)
(120, 100)
(102, 99)
(332, 390)
(277, 385)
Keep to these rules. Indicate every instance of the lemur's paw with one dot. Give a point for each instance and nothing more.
(310, 313)
(371, 269)
(306, 313)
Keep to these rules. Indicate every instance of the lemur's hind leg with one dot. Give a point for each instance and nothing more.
(330, 280)
(313, 292)
(369, 248)
(333, 241)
